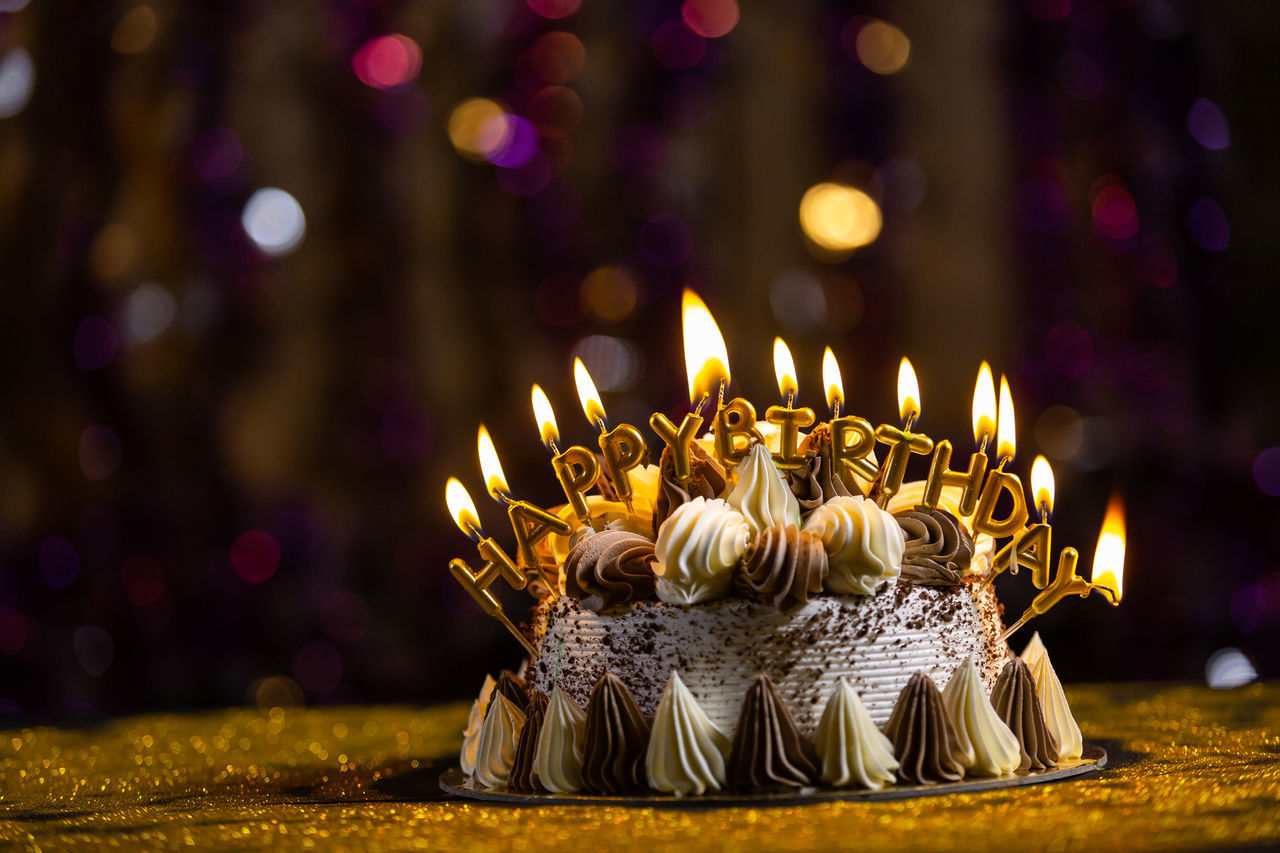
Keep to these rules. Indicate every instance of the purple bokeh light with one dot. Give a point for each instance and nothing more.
(1266, 471)
(1208, 126)
(1208, 226)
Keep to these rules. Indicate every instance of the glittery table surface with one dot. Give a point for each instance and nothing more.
(1191, 769)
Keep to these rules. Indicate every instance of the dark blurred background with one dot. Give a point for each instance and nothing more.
(267, 265)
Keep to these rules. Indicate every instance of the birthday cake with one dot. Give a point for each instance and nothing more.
(765, 610)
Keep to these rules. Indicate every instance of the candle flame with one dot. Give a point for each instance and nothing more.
(462, 508)
(831, 379)
(908, 391)
(1008, 430)
(494, 480)
(984, 405)
(588, 394)
(1042, 483)
(705, 358)
(545, 416)
(1108, 559)
(784, 367)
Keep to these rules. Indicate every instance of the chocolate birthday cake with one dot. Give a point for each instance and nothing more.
(766, 609)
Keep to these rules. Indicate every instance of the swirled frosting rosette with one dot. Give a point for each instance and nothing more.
(864, 544)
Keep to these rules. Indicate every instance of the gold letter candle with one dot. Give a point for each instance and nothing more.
(984, 516)
(532, 524)
(902, 442)
(677, 439)
(788, 420)
(984, 429)
(851, 438)
(577, 471)
(471, 583)
(735, 421)
(623, 447)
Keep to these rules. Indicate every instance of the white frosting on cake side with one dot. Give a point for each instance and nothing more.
(876, 642)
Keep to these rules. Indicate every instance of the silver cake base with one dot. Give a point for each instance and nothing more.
(454, 782)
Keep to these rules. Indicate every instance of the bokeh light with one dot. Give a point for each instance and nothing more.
(477, 128)
(1229, 668)
(100, 452)
(1208, 126)
(609, 293)
(798, 301)
(387, 61)
(59, 562)
(13, 630)
(1068, 348)
(518, 144)
(557, 57)
(17, 79)
(1060, 432)
(710, 18)
(1207, 224)
(147, 312)
(614, 363)
(1115, 216)
(94, 345)
(882, 47)
(676, 46)
(1266, 471)
(94, 649)
(142, 577)
(274, 221)
(555, 109)
(554, 9)
(838, 219)
(275, 693)
(135, 31)
(255, 556)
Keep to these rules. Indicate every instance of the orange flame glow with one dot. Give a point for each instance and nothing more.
(494, 480)
(545, 416)
(831, 379)
(984, 405)
(1008, 431)
(1042, 483)
(706, 360)
(462, 508)
(1108, 559)
(784, 367)
(908, 391)
(587, 394)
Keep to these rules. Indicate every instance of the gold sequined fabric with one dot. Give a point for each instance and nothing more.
(1191, 769)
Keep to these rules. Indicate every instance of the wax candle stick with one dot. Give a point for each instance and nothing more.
(531, 524)
(622, 447)
(788, 420)
(984, 429)
(496, 562)
(984, 520)
(852, 439)
(902, 442)
(576, 468)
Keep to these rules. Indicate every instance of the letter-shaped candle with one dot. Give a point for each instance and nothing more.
(852, 439)
(622, 447)
(998, 480)
(902, 442)
(984, 428)
(788, 420)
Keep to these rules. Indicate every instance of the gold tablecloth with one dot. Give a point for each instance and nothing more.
(1190, 769)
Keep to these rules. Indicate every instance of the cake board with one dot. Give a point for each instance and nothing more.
(1094, 759)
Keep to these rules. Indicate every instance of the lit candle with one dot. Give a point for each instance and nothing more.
(497, 563)
(852, 438)
(902, 442)
(984, 429)
(530, 523)
(999, 480)
(1033, 546)
(623, 447)
(576, 468)
(706, 363)
(707, 366)
(1108, 571)
(788, 420)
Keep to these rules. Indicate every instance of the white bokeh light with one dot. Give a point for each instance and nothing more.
(17, 79)
(1228, 668)
(274, 221)
(148, 311)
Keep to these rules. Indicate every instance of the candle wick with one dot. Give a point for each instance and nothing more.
(555, 447)
(911, 421)
(724, 386)
(835, 409)
(504, 498)
(602, 426)
(697, 410)
(791, 399)
(982, 447)
(1044, 512)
